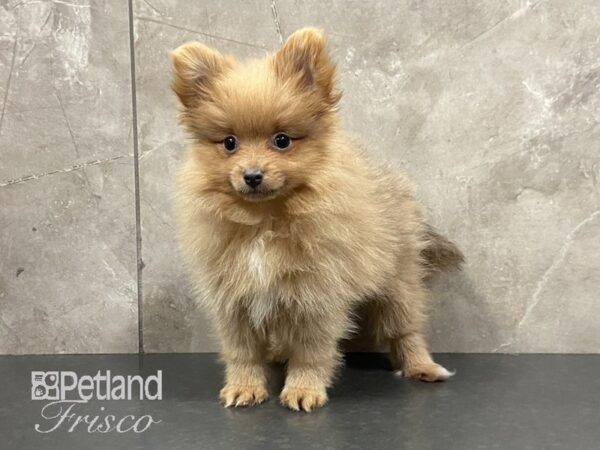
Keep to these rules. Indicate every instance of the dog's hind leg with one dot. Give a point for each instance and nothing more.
(399, 317)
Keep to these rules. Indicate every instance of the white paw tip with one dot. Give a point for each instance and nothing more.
(443, 373)
(447, 373)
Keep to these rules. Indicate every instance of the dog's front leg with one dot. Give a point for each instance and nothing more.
(312, 362)
(243, 354)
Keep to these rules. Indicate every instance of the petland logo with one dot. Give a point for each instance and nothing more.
(66, 391)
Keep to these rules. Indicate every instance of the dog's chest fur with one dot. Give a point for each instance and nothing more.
(259, 255)
(256, 259)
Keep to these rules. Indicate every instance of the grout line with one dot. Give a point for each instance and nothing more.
(276, 21)
(37, 176)
(136, 171)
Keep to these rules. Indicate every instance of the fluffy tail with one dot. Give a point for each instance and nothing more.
(440, 254)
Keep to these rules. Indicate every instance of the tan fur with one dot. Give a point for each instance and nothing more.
(282, 275)
(440, 254)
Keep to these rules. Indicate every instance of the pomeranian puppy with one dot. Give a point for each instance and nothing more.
(295, 240)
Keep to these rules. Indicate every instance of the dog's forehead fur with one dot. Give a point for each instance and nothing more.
(251, 100)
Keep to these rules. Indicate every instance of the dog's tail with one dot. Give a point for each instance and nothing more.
(440, 254)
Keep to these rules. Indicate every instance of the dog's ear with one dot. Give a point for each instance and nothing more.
(195, 67)
(305, 59)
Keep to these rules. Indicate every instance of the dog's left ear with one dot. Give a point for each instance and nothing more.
(304, 58)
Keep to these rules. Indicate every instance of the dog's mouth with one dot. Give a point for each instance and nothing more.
(257, 195)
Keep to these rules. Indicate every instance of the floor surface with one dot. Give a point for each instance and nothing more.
(493, 401)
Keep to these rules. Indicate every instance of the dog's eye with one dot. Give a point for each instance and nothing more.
(282, 141)
(230, 143)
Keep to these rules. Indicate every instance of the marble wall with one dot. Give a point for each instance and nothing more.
(491, 107)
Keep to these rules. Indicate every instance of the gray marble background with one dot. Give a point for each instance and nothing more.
(491, 106)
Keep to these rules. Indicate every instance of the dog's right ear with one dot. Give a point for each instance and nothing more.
(195, 67)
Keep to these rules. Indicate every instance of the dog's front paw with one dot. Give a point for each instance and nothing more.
(303, 399)
(427, 372)
(238, 395)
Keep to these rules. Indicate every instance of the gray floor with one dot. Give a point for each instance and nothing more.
(494, 401)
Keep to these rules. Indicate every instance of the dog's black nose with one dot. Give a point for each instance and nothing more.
(253, 177)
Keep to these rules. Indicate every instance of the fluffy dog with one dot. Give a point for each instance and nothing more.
(293, 236)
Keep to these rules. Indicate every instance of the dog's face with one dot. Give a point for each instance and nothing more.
(259, 130)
